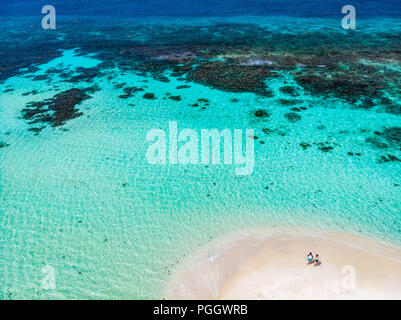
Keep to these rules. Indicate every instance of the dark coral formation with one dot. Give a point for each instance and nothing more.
(388, 158)
(393, 135)
(149, 96)
(261, 113)
(129, 92)
(231, 57)
(355, 67)
(33, 92)
(286, 102)
(85, 74)
(357, 154)
(232, 77)
(280, 132)
(305, 145)
(175, 98)
(55, 111)
(326, 146)
(289, 90)
(3, 144)
(202, 103)
(292, 117)
(359, 84)
(389, 137)
(322, 146)
(377, 142)
(184, 86)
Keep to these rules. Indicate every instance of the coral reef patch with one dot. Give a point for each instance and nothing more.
(57, 110)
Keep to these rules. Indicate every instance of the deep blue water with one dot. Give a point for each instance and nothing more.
(143, 8)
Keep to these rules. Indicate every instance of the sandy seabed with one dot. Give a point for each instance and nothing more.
(260, 266)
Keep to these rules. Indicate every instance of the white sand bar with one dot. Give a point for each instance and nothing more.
(257, 266)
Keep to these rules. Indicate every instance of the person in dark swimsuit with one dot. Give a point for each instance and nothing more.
(317, 261)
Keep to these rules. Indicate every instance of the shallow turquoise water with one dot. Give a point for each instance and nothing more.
(84, 200)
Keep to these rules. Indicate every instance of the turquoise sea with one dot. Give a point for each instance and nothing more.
(77, 193)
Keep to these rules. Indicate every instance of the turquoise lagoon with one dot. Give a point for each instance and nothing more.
(82, 198)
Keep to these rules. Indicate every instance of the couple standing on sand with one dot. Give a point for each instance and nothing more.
(311, 260)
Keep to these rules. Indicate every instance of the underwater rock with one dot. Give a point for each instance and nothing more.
(232, 77)
(386, 138)
(376, 142)
(41, 77)
(129, 92)
(393, 109)
(184, 86)
(324, 146)
(3, 144)
(260, 113)
(292, 117)
(393, 135)
(279, 132)
(342, 76)
(163, 79)
(85, 74)
(286, 102)
(305, 145)
(388, 158)
(119, 85)
(33, 92)
(175, 98)
(30, 53)
(180, 70)
(267, 130)
(36, 129)
(58, 110)
(289, 90)
(391, 106)
(346, 82)
(93, 89)
(149, 96)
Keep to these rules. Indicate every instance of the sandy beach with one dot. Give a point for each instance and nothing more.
(258, 266)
